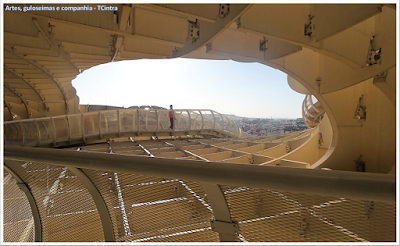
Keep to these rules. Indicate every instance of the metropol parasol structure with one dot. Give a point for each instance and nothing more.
(78, 174)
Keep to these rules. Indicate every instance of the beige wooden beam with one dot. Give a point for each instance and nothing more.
(124, 34)
(208, 31)
(50, 75)
(22, 100)
(274, 152)
(218, 156)
(56, 48)
(254, 148)
(172, 12)
(125, 14)
(7, 105)
(116, 46)
(30, 85)
(175, 154)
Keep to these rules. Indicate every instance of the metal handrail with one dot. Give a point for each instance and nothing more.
(91, 126)
(355, 185)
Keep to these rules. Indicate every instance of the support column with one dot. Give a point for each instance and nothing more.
(101, 206)
(35, 211)
(223, 224)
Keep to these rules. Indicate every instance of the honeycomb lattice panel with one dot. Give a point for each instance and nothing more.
(67, 210)
(154, 209)
(272, 216)
(18, 223)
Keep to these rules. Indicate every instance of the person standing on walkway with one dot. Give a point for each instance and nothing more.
(171, 117)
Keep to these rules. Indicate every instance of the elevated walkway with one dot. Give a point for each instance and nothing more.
(91, 127)
(312, 112)
(191, 190)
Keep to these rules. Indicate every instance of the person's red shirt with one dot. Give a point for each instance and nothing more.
(171, 114)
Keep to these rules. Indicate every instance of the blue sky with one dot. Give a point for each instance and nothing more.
(228, 87)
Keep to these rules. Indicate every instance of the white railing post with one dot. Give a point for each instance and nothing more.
(119, 124)
(176, 122)
(157, 120)
(69, 129)
(83, 128)
(54, 132)
(190, 120)
(38, 131)
(138, 121)
(223, 123)
(106, 122)
(229, 129)
(92, 121)
(146, 122)
(47, 130)
(212, 112)
(100, 134)
(23, 134)
(202, 120)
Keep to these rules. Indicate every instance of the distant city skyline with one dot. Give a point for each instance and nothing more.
(250, 90)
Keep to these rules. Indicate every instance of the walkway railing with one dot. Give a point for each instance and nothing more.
(93, 126)
(312, 112)
(78, 196)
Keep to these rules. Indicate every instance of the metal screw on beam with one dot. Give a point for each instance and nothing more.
(263, 45)
(374, 57)
(223, 10)
(228, 231)
(310, 27)
(194, 30)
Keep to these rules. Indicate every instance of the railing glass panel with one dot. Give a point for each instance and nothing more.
(75, 123)
(195, 119)
(208, 117)
(182, 119)
(128, 120)
(46, 130)
(111, 121)
(91, 124)
(62, 129)
(164, 122)
(142, 119)
(151, 120)
(103, 122)
(31, 133)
